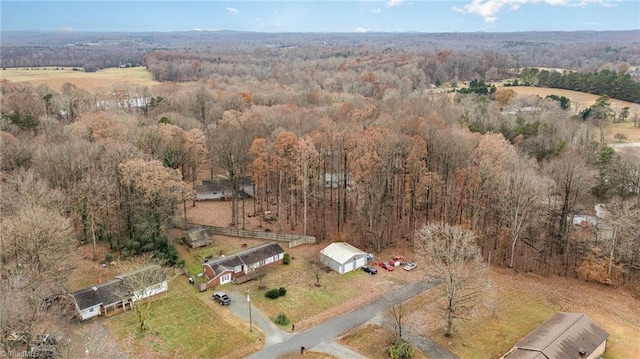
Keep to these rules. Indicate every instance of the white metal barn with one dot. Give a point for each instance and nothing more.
(342, 257)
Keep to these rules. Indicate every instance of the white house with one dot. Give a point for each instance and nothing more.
(342, 257)
(114, 296)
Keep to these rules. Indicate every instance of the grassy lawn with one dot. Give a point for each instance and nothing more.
(185, 324)
(303, 299)
(87, 80)
(371, 341)
(520, 303)
(494, 335)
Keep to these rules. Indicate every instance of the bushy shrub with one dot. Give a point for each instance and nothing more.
(275, 293)
(281, 319)
(286, 259)
(400, 349)
(108, 257)
(272, 294)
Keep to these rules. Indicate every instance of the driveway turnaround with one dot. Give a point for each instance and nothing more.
(320, 338)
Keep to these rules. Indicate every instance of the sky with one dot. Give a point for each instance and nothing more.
(321, 15)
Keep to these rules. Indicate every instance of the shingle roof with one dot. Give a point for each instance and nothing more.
(248, 256)
(116, 290)
(562, 336)
(341, 252)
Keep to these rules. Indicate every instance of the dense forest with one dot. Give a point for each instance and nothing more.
(354, 145)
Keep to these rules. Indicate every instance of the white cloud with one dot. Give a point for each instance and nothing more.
(361, 29)
(66, 29)
(393, 3)
(488, 9)
(232, 11)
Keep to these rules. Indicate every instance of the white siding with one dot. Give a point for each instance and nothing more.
(90, 312)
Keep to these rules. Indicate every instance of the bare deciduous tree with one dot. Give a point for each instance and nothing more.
(453, 252)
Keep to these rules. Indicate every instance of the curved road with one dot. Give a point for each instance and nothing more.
(321, 337)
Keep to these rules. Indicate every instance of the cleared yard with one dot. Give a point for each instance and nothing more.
(185, 324)
(524, 301)
(86, 80)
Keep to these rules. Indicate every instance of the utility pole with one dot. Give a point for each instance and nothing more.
(250, 320)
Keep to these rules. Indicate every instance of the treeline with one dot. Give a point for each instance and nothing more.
(368, 71)
(604, 82)
(583, 50)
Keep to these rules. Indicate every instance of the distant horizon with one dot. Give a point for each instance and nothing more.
(321, 16)
(309, 32)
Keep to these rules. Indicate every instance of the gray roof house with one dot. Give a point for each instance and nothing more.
(565, 335)
(242, 264)
(113, 297)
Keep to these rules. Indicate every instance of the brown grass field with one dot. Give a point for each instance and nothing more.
(582, 100)
(86, 80)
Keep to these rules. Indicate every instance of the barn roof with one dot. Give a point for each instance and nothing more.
(341, 252)
(562, 336)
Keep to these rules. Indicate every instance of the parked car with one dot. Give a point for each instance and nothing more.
(397, 261)
(221, 298)
(387, 266)
(369, 269)
(410, 266)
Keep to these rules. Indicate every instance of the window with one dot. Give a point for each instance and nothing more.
(225, 278)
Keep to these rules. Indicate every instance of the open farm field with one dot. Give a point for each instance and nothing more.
(86, 80)
(583, 99)
(521, 302)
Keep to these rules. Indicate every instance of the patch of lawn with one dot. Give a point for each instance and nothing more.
(184, 324)
(490, 333)
(303, 299)
(372, 341)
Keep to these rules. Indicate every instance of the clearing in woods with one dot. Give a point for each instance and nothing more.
(86, 80)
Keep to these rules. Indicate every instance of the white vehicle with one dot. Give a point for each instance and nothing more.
(410, 266)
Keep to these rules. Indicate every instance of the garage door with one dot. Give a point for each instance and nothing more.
(348, 267)
(361, 261)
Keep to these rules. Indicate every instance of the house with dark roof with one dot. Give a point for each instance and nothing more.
(115, 296)
(565, 335)
(231, 268)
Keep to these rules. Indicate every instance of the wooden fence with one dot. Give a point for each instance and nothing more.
(293, 240)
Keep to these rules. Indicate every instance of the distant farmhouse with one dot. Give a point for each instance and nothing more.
(120, 294)
(242, 265)
(565, 335)
(221, 189)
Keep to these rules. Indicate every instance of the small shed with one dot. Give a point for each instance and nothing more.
(565, 335)
(342, 257)
(198, 237)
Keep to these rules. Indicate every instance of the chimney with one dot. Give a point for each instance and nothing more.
(95, 291)
(582, 353)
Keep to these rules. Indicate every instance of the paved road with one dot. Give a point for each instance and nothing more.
(321, 336)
